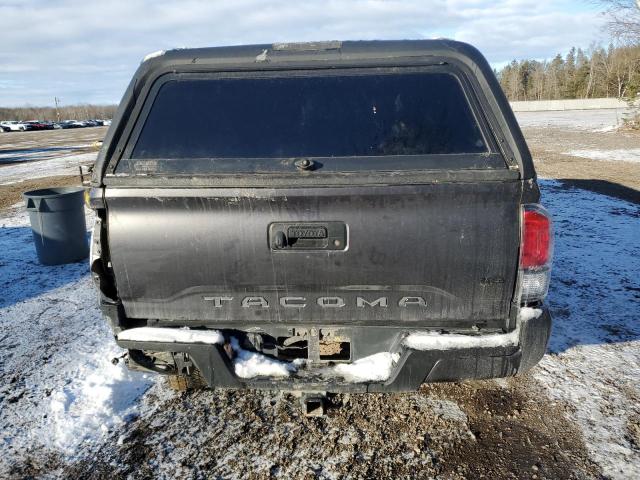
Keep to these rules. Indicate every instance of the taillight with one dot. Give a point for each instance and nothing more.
(536, 252)
(536, 238)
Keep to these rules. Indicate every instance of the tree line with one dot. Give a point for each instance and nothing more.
(69, 112)
(598, 72)
(595, 73)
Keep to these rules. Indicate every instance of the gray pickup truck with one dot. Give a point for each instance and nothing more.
(321, 217)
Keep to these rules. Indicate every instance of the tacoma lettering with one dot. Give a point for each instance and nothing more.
(323, 302)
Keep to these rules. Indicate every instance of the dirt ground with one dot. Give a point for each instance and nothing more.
(452, 431)
(12, 193)
(614, 178)
(36, 149)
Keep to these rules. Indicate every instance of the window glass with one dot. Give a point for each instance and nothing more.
(245, 119)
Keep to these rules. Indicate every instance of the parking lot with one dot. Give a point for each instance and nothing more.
(68, 411)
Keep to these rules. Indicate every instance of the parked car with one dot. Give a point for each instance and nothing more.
(37, 125)
(69, 124)
(16, 126)
(340, 216)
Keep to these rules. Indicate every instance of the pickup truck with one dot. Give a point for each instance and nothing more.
(333, 217)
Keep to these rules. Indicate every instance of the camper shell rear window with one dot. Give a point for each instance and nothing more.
(349, 120)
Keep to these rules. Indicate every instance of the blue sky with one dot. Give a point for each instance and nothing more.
(83, 51)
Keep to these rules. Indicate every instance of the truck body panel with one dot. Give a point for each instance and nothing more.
(455, 246)
(321, 202)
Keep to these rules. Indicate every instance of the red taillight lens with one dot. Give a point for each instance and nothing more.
(537, 242)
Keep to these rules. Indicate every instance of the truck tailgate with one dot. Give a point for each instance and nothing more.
(439, 255)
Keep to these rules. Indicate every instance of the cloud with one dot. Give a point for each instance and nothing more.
(87, 51)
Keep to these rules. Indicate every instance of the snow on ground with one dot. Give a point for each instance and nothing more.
(68, 165)
(622, 154)
(9, 155)
(603, 120)
(594, 364)
(58, 390)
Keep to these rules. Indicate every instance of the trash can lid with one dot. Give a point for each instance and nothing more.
(52, 192)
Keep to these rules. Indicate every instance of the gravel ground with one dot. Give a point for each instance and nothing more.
(575, 416)
(448, 431)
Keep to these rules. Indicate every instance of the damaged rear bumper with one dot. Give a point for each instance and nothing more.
(411, 367)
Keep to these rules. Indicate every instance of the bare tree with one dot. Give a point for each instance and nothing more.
(623, 19)
(68, 112)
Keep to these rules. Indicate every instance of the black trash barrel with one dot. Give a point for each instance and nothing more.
(58, 225)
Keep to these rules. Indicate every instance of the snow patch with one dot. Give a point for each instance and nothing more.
(452, 341)
(101, 396)
(600, 120)
(252, 364)
(157, 53)
(374, 368)
(20, 155)
(45, 168)
(529, 313)
(377, 367)
(608, 128)
(619, 155)
(172, 335)
(59, 391)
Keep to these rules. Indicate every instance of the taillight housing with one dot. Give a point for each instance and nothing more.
(536, 253)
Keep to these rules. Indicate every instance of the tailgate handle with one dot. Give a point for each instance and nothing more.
(289, 236)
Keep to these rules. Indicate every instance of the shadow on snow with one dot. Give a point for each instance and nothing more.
(595, 288)
(22, 276)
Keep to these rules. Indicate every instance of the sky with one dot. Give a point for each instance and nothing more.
(86, 52)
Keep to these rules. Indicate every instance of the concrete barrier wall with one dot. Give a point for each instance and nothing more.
(579, 104)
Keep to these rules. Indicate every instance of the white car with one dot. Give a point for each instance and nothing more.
(15, 126)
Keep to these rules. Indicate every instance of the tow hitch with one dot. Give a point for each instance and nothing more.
(314, 404)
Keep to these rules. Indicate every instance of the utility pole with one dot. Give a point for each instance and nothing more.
(57, 101)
